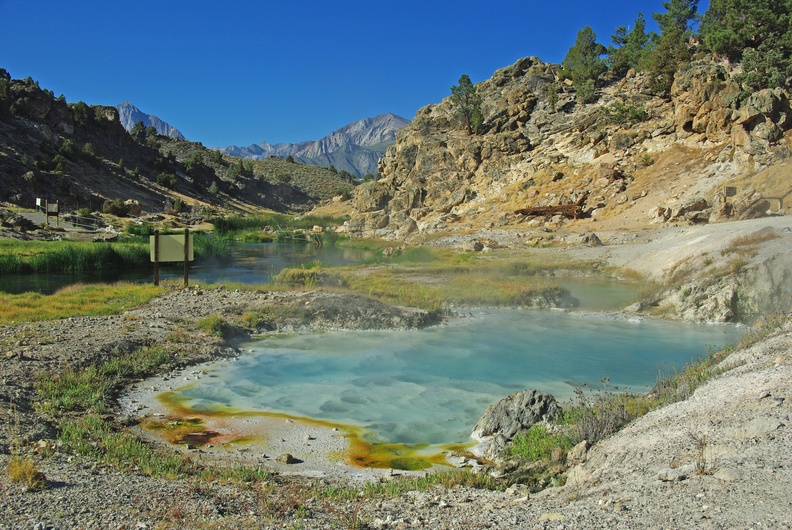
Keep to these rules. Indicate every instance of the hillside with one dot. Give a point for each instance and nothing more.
(639, 158)
(355, 148)
(81, 156)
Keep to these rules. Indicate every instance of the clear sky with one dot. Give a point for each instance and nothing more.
(243, 72)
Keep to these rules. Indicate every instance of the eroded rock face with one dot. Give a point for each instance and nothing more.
(540, 147)
(708, 102)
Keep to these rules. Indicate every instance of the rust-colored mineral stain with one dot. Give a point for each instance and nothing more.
(361, 452)
(200, 438)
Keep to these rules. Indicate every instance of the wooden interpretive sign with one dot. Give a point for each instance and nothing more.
(51, 209)
(729, 191)
(171, 248)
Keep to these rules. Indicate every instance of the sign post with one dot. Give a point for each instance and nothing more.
(51, 209)
(171, 248)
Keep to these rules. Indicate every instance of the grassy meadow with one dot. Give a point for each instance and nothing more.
(75, 300)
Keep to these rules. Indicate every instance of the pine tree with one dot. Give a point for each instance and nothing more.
(757, 33)
(672, 49)
(468, 104)
(632, 48)
(584, 61)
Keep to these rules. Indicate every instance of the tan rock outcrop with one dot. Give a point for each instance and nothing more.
(438, 177)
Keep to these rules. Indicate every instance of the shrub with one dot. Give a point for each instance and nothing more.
(115, 207)
(167, 179)
(597, 415)
(537, 443)
(620, 113)
(67, 149)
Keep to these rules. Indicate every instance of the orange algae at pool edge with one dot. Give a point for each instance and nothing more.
(361, 452)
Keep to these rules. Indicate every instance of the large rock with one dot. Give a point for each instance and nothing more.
(516, 412)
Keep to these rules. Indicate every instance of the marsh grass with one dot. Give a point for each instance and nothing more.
(277, 221)
(211, 246)
(433, 278)
(70, 256)
(75, 257)
(75, 300)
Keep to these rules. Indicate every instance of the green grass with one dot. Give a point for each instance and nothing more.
(91, 388)
(75, 300)
(70, 256)
(93, 436)
(537, 443)
(213, 325)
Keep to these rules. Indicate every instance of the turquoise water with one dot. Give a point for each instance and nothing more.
(432, 385)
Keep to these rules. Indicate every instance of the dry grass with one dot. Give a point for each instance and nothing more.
(75, 300)
(24, 471)
(749, 243)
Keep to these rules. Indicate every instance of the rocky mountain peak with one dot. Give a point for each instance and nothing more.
(129, 115)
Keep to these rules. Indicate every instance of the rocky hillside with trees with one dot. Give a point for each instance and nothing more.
(81, 156)
(654, 128)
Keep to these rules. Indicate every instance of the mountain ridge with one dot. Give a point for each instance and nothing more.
(355, 148)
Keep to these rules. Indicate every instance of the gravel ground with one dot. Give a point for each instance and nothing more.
(720, 459)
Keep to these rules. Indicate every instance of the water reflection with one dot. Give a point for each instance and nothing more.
(248, 263)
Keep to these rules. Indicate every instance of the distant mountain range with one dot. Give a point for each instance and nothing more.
(355, 148)
(129, 115)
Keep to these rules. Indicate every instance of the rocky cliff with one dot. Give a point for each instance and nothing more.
(637, 157)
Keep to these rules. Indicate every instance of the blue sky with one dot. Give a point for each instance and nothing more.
(242, 72)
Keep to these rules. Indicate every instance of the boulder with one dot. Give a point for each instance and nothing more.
(694, 209)
(591, 239)
(516, 412)
(286, 458)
